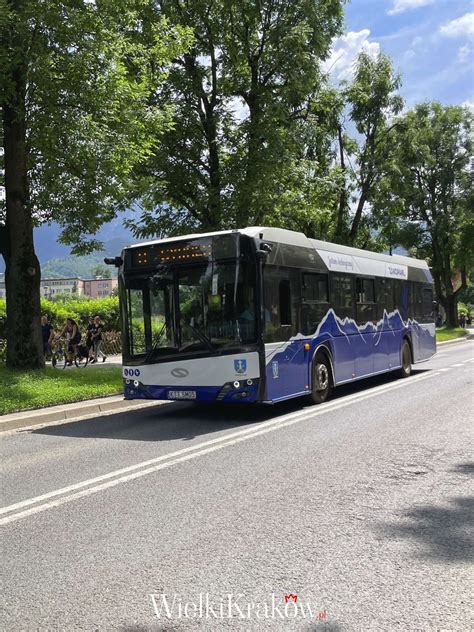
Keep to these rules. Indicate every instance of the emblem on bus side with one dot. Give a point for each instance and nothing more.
(275, 369)
(240, 366)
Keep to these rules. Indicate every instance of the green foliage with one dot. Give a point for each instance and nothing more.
(102, 271)
(90, 69)
(82, 311)
(240, 96)
(23, 390)
(449, 333)
(427, 194)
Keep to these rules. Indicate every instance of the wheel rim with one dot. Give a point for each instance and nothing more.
(322, 377)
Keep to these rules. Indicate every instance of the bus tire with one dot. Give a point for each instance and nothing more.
(321, 379)
(405, 355)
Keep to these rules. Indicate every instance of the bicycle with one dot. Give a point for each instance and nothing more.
(61, 358)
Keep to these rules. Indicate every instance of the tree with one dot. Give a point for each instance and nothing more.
(102, 271)
(429, 189)
(75, 80)
(372, 102)
(240, 94)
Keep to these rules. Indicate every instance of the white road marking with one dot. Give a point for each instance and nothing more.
(459, 364)
(444, 369)
(132, 472)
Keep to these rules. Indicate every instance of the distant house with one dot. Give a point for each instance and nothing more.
(96, 288)
(99, 287)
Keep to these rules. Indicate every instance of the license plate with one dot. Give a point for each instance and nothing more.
(181, 394)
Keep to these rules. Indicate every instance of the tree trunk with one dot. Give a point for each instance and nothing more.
(343, 194)
(22, 277)
(451, 311)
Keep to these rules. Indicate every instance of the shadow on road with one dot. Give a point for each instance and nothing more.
(442, 532)
(185, 421)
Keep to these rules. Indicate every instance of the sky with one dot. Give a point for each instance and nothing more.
(431, 43)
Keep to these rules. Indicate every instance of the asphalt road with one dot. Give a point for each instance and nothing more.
(358, 511)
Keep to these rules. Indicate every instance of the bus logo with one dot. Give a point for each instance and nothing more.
(180, 372)
(240, 366)
(275, 369)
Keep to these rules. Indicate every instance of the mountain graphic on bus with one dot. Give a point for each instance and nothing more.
(333, 329)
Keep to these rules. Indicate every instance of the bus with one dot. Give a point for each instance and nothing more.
(266, 314)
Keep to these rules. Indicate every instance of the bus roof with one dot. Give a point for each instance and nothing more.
(293, 238)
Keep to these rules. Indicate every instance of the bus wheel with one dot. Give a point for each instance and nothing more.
(405, 353)
(321, 382)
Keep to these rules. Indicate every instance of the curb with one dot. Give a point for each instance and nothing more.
(72, 412)
(455, 340)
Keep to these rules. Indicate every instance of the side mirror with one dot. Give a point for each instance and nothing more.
(113, 261)
(263, 252)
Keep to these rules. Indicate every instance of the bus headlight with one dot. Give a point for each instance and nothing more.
(136, 383)
(236, 384)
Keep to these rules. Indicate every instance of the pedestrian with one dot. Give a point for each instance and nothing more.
(96, 336)
(47, 331)
(469, 320)
(73, 334)
(89, 343)
(462, 320)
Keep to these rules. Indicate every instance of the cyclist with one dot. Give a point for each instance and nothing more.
(73, 334)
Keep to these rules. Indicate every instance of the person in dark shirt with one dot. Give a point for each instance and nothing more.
(89, 342)
(47, 332)
(96, 337)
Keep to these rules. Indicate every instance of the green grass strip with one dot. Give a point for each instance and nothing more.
(23, 390)
(450, 333)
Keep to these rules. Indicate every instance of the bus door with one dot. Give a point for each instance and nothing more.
(286, 360)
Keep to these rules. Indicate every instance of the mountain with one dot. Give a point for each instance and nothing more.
(55, 258)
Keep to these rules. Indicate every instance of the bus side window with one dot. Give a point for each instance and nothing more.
(427, 305)
(384, 289)
(315, 302)
(285, 302)
(365, 296)
(417, 309)
(341, 295)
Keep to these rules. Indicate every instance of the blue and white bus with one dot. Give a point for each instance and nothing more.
(266, 314)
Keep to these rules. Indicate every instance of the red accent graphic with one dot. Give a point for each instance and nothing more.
(291, 597)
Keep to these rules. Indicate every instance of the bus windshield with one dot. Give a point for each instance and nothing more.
(197, 307)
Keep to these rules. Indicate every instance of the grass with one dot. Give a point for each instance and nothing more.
(23, 390)
(450, 333)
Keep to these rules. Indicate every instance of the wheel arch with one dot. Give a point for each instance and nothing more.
(323, 349)
(407, 337)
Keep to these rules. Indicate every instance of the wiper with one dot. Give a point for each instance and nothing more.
(202, 337)
(156, 344)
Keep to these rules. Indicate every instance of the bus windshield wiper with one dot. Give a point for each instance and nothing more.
(202, 337)
(156, 344)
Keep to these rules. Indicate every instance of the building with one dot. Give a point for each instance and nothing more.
(95, 288)
(51, 287)
(99, 287)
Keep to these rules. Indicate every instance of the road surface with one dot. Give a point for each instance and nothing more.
(352, 515)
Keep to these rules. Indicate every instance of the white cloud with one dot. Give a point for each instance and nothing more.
(458, 27)
(400, 6)
(469, 104)
(465, 53)
(344, 51)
